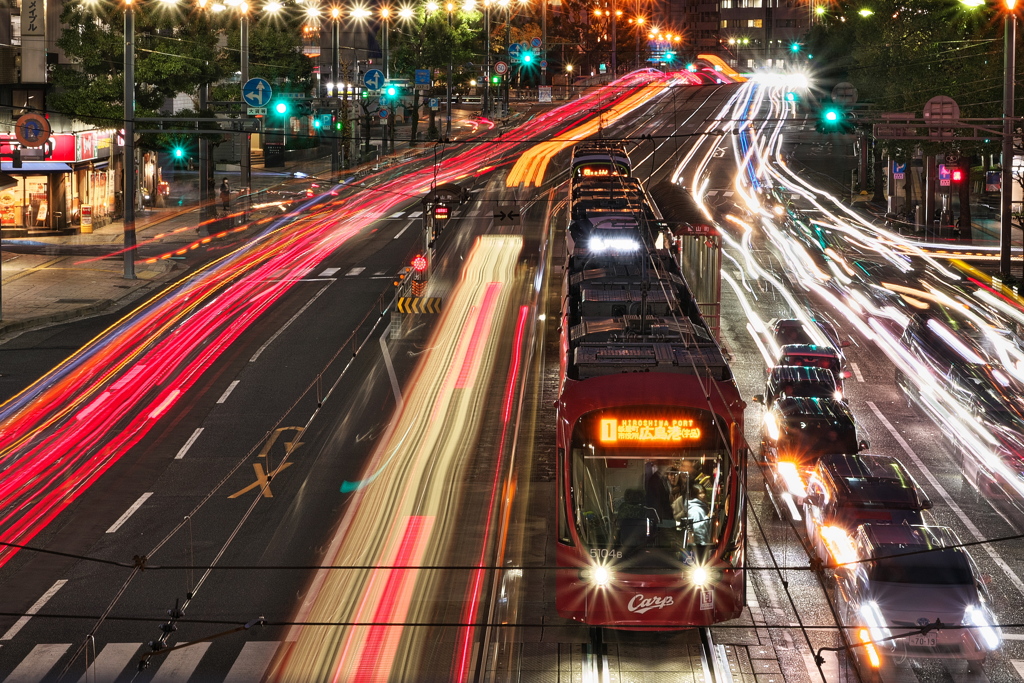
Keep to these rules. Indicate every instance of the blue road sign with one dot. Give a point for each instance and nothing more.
(373, 79)
(433, 103)
(515, 52)
(256, 92)
(899, 170)
(535, 42)
(383, 113)
(422, 77)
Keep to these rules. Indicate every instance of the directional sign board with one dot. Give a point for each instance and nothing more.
(422, 76)
(256, 92)
(373, 79)
(501, 68)
(507, 215)
(256, 111)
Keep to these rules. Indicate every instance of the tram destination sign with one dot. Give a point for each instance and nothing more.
(640, 431)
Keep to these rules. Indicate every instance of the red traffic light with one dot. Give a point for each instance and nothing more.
(957, 175)
(441, 212)
(419, 263)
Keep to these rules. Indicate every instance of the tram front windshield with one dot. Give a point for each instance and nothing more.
(646, 481)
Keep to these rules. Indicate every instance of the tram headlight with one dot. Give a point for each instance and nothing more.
(700, 576)
(598, 575)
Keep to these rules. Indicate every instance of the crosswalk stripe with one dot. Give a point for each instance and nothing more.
(1018, 666)
(20, 623)
(397, 214)
(252, 661)
(355, 271)
(329, 272)
(180, 664)
(38, 663)
(110, 662)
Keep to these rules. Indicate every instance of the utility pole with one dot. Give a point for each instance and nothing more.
(1006, 182)
(129, 141)
(543, 42)
(335, 77)
(246, 137)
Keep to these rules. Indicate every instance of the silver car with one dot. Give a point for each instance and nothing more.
(899, 586)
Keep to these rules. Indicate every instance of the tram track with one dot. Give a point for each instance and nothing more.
(700, 658)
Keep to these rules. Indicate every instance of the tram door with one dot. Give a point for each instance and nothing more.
(699, 250)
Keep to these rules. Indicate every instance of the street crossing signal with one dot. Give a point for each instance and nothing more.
(957, 176)
(338, 125)
(495, 79)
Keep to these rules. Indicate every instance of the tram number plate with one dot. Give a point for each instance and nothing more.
(707, 599)
(923, 640)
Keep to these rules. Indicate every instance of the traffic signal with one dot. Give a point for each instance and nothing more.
(495, 79)
(338, 125)
(527, 57)
(179, 153)
(281, 107)
(794, 47)
(834, 119)
(792, 97)
(317, 124)
(670, 56)
(957, 176)
(391, 91)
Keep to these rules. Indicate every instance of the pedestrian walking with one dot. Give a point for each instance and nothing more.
(225, 194)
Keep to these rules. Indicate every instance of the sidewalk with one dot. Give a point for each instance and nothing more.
(45, 280)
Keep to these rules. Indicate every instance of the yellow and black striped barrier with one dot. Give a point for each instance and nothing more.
(414, 304)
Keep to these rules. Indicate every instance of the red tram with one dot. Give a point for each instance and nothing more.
(651, 462)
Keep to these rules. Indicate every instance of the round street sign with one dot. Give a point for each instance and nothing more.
(544, 64)
(535, 42)
(32, 130)
(383, 113)
(500, 68)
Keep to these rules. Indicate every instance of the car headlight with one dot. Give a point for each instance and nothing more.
(975, 615)
(875, 621)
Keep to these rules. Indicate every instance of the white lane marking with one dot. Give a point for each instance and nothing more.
(1013, 636)
(179, 664)
(856, 372)
(407, 226)
(354, 272)
(1018, 666)
(129, 512)
(381, 277)
(290, 321)
(109, 664)
(20, 623)
(252, 661)
(38, 663)
(328, 272)
(415, 214)
(188, 444)
(727, 193)
(974, 531)
(227, 392)
(397, 214)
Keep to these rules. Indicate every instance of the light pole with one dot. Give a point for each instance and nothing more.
(335, 85)
(129, 140)
(450, 7)
(1006, 181)
(569, 77)
(385, 15)
(487, 58)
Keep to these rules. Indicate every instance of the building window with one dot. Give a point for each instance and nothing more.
(750, 63)
(754, 23)
(726, 4)
(725, 23)
(784, 23)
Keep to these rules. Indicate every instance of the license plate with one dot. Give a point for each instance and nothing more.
(922, 640)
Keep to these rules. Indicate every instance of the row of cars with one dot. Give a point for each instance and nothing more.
(903, 588)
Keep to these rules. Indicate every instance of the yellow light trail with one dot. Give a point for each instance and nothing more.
(716, 61)
(404, 510)
(533, 163)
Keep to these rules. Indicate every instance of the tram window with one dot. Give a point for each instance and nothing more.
(563, 521)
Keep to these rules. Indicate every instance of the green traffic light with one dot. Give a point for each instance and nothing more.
(794, 47)
(179, 153)
(495, 80)
(338, 125)
(791, 97)
(316, 123)
(392, 91)
(527, 58)
(691, 67)
(831, 115)
(281, 108)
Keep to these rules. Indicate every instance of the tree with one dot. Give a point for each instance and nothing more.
(175, 51)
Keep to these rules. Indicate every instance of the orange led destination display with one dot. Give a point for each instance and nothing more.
(633, 431)
(591, 172)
